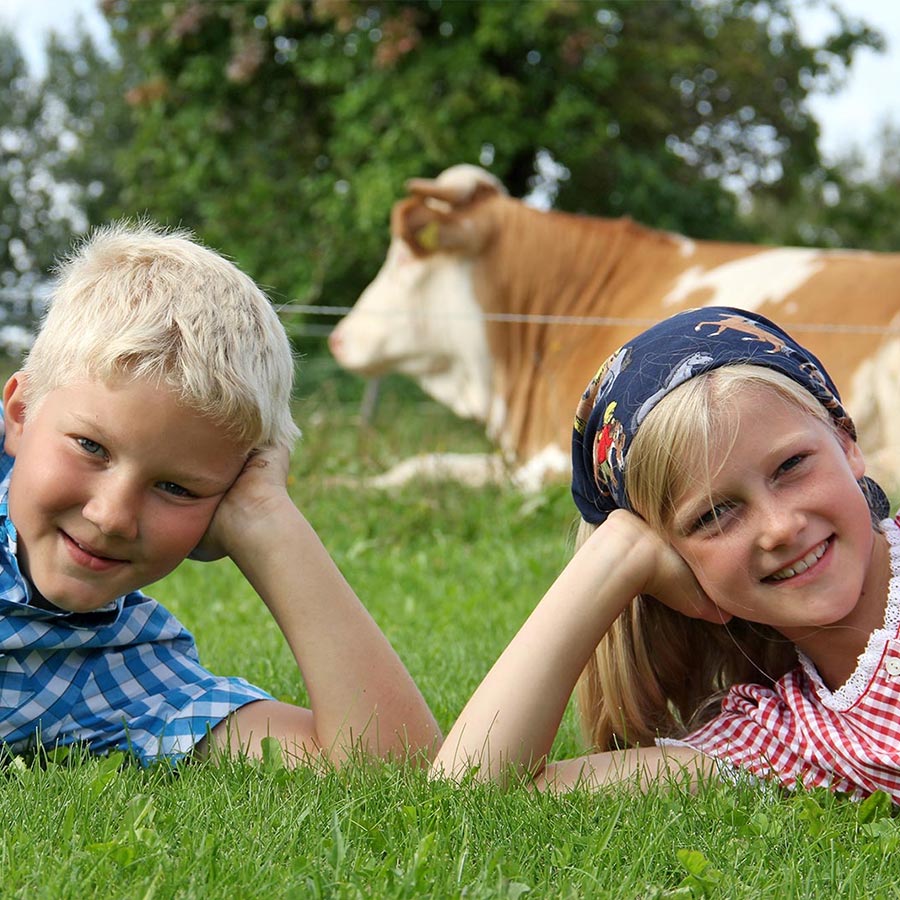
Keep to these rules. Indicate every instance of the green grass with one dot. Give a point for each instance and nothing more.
(449, 574)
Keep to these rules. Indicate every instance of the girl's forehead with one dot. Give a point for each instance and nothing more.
(747, 423)
(732, 400)
(763, 420)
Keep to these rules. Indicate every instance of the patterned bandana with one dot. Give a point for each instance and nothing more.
(638, 375)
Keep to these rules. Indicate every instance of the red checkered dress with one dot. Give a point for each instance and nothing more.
(799, 732)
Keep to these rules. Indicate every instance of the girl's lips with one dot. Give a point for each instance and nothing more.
(799, 566)
(85, 556)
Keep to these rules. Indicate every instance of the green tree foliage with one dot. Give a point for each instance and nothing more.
(855, 203)
(284, 129)
(86, 90)
(26, 200)
(57, 137)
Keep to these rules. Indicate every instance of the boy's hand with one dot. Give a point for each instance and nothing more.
(259, 491)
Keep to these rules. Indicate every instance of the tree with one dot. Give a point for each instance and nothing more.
(25, 199)
(56, 137)
(283, 129)
(850, 204)
(83, 93)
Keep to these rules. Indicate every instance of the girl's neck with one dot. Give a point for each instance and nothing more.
(835, 649)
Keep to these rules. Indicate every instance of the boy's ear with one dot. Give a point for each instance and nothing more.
(13, 412)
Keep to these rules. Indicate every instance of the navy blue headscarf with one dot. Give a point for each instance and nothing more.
(639, 374)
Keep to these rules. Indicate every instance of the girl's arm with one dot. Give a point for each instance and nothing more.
(361, 696)
(512, 718)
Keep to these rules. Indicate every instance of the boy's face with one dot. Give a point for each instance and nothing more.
(114, 485)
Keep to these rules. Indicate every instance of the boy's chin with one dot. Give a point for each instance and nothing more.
(65, 605)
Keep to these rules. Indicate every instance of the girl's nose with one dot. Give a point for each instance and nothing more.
(113, 507)
(779, 525)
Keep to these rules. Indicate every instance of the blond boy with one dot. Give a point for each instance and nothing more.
(151, 422)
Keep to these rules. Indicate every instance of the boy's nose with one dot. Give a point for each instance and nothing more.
(113, 508)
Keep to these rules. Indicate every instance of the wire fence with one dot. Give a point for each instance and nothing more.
(319, 330)
(372, 392)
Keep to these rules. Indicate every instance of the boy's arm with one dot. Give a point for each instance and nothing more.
(361, 695)
(512, 718)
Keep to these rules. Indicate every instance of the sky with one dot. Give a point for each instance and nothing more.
(851, 118)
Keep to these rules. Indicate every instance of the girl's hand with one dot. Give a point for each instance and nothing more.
(258, 491)
(667, 577)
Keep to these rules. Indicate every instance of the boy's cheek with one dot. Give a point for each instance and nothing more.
(182, 533)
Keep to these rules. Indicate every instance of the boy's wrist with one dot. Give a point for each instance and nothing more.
(264, 525)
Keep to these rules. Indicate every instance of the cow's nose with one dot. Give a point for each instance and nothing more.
(334, 343)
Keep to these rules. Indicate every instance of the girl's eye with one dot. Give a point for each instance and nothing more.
(791, 463)
(91, 447)
(713, 518)
(176, 490)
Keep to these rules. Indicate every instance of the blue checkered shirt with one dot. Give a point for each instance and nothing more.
(126, 677)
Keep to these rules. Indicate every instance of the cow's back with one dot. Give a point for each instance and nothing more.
(546, 297)
(842, 305)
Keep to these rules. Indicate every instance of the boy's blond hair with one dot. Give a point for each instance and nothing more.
(658, 673)
(139, 301)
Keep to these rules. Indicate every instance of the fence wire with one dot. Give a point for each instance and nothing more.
(550, 319)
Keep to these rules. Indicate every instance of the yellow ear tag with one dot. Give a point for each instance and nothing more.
(428, 237)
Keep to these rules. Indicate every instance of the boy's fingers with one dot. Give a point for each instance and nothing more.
(275, 458)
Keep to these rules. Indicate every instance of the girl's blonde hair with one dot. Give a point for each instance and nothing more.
(137, 301)
(658, 673)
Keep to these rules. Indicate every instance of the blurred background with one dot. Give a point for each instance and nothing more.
(281, 131)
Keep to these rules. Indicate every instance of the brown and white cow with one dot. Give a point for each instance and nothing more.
(466, 301)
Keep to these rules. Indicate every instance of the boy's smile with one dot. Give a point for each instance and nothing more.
(113, 486)
(782, 534)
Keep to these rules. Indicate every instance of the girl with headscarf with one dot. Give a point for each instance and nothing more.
(734, 602)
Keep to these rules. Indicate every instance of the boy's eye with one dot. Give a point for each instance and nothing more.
(176, 490)
(91, 447)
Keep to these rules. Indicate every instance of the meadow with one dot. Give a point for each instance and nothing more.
(449, 574)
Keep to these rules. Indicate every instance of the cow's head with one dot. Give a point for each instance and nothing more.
(421, 315)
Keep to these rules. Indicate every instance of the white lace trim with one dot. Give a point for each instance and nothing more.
(858, 682)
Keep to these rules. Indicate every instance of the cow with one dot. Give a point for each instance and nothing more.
(503, 313)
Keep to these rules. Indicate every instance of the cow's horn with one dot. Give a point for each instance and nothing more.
(428, 188)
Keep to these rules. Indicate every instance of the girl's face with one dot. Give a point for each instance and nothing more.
(780, 532)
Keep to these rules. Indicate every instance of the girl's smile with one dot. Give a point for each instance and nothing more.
(807, 562)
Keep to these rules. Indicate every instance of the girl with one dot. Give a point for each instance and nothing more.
(735, 601)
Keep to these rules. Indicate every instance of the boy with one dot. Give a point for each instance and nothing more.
(151, 422)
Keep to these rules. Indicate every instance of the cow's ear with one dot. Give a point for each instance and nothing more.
(428, 230)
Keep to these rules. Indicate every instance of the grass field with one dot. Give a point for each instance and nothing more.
(449, 574)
